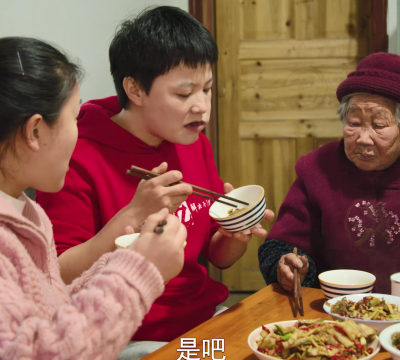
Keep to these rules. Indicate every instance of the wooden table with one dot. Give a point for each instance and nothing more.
(268, 305)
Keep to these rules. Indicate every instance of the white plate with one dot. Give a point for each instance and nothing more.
(378, 324)
(385, 338)
(255, 335)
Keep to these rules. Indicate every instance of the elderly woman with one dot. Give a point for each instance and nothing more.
(343, 210)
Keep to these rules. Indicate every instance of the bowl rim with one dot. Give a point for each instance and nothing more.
(136, 235)
(383, 334)
(391, 322)
(378, 345)
(241, 213)
(395, 281)
(364, 284)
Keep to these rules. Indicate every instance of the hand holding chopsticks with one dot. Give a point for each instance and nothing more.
(298, 299)
(146, 175)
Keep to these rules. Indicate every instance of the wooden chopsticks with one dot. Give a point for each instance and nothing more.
(298, 298)
(146, 174)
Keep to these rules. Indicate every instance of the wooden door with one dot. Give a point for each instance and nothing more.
(280, 62)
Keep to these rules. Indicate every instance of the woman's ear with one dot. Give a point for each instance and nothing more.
(31, 131)
(133, 91)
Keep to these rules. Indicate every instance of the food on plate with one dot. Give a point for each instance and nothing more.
(396, 340)
(317, 339)
(368, 308)
(232, 212)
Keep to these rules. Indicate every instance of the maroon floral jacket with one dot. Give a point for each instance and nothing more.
(340, 216)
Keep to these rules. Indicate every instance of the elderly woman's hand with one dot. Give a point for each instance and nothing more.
(286, 265)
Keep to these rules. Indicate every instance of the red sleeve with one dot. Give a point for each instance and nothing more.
(74, 210)
(216, 184)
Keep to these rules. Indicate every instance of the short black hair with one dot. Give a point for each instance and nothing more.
(35, 78)
(158, 40)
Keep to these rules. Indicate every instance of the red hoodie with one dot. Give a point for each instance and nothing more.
(97, 187)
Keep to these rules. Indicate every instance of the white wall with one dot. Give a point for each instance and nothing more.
(82, 28)
(393, 26)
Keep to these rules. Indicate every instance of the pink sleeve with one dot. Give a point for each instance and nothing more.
(98, 322)
(82, 281)
(73, 211)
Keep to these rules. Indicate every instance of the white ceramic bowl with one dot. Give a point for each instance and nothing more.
(126, 240)
(378, 324)
(252, 194)
(343, 282)
(255, 335)
(385, 338)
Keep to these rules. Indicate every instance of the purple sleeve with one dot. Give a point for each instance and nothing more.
(296, 225)
(269, 254)
(297, 218)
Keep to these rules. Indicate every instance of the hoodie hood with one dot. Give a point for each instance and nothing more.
(94, 123)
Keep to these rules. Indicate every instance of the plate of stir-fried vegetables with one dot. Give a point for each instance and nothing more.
(378, 310)
(316, 339)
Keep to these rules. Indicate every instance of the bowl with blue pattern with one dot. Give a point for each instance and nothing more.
(243, 217)
(344, 282)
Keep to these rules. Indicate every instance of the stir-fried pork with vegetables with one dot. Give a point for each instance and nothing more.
(318, 340)
(368, 308)
(396, 340)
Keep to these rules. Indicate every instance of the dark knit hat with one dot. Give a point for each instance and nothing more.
(377, 74)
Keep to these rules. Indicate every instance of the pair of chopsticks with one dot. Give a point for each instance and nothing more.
(146, 175)
(298, 299)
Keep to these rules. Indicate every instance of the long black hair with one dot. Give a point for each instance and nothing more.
(35, 78)
(158, 40)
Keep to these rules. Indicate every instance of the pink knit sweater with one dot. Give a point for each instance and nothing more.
(42, 318)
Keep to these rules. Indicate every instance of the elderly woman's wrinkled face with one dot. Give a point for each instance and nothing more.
(371, 133)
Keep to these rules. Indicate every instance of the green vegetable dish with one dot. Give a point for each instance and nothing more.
(368, 308)
(318, 340)
(396, 340)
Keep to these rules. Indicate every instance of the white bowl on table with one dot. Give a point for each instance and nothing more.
(343, 282)
(385, 339)
(246, 219)
(255, 335)
(378, 324)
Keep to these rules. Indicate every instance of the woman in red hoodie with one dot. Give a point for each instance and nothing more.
(161, 65)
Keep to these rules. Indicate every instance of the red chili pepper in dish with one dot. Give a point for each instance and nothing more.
(358, 345)
(265, 329)
(338, 328)
(261, 350)
(370, 350)
(340, 357)
(278, 349)
(279, 341)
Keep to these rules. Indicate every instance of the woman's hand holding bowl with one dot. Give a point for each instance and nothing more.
(256, 230)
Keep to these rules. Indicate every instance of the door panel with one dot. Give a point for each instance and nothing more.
(280, 64)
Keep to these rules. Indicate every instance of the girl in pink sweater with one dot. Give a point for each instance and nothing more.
(41, 317)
